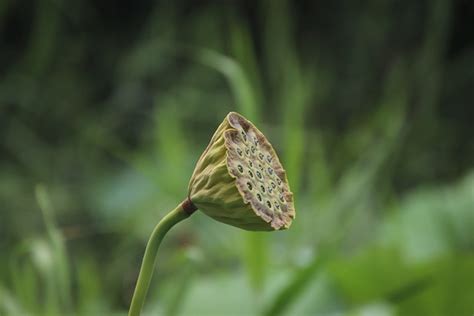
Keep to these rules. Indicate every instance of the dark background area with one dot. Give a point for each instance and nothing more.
(106, 105)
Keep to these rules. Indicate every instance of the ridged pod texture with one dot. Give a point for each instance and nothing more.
(239, 179)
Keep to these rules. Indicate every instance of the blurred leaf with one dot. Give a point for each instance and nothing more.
(171, 149)
(182, 285)
(255, 256)
(450, 292)
(295, 95)
(90, 290)
(219, 294)
(43, 40)
(244, 52)
(376, 273)
(9, 305)
(432, 222)
(61, 262)
(238, 81)
(289, 293)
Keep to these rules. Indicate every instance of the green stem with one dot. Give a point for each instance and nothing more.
(149, 258)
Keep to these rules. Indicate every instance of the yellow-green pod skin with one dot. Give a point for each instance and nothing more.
(239, 180)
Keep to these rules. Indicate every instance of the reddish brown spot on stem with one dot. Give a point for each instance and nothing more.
(188, 206)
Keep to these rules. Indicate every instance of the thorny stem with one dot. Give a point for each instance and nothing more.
(181, 212)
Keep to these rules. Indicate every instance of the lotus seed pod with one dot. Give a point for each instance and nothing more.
(239, 179)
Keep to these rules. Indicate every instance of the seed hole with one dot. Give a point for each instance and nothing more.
(244, 136)
(273, 185)
(263, 188)
(259, 197)
(260, 155)
(270, 190)
(250, 173)
(270, 171)
(247, 152)
(260, 166)
(252, 149)
(241, 169)
(269, 158)
(250, 163)
(255, 141)
(239, 151)
(277, 206)
(250, 186)
(259, 175)
(279, 181)
(281, 198)
(269, 204)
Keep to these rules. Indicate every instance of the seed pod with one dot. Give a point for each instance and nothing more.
(239, 180)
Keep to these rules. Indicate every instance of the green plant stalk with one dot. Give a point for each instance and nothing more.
(180, 213)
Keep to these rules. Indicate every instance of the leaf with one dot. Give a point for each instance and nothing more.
(287, 295)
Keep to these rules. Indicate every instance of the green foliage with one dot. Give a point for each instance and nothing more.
(104, 111)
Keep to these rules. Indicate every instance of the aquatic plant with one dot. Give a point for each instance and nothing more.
(238, 180)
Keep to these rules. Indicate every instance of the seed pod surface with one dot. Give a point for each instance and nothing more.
(239, 179)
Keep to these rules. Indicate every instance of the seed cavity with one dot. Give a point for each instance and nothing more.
(260, 156)
(250, 186)
(260, 166)
(259, 175)
(270, 171)
(270, 190)
(250, 173)
(273, 185)
(255, 141)
(269, 158)
(281, 198)
(252, 149)
(247, 152)
(241, 169)
(269, 204)
(250, 163)
(259, 197)
(277, 206)
(263, 188)
(244, 136)
(279, 181)
(239, 151)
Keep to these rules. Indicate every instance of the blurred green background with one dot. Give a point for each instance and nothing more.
(105, 106)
